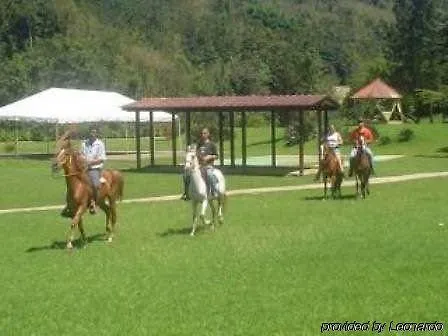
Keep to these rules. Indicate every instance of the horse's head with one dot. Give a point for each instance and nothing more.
(191, 158)
(67, 157)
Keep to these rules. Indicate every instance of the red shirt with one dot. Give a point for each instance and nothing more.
(365, 132)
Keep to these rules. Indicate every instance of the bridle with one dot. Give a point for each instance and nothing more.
(65, 158)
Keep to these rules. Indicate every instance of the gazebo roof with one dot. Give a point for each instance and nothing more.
(376, 90)
(241, 103)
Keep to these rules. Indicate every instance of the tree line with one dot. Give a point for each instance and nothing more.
(224, 47)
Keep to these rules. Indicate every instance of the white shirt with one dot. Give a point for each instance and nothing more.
(333, 140)
(94, 151)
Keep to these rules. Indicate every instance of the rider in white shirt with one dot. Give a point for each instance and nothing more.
(333, 141)
(94, 152)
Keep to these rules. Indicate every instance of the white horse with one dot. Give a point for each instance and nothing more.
(198, 191)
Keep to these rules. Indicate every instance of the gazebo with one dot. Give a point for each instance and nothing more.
(321, 104)
(379, 92)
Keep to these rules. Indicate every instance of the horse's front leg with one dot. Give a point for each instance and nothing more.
(213, 209)
(195, 217)
(325, 188)
(221, 201)
(75, 223)
(204, 205)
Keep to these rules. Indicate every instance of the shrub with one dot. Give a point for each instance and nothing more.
(9, 147)
(384, 140)
(405, 135)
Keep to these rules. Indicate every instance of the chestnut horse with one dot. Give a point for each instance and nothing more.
(361, 169)
(331, 171)
(80, 192)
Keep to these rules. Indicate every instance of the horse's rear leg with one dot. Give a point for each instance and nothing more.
(214, 210)
(221, 202)
(107, 210)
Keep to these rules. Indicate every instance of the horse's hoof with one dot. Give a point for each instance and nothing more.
(207, 222)
(109, 240)
(69, 245)
(192, 234)
(221, 220)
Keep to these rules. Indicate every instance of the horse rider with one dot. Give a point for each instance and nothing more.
(361, 132)
(94, 152)
(207, 154)
(333, 141)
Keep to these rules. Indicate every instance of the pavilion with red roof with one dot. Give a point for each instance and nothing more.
(381, 92)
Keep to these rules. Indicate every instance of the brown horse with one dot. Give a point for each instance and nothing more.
(361, 168)
(80, 192)
(331, 171)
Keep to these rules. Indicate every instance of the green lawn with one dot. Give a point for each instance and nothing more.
(281, 265)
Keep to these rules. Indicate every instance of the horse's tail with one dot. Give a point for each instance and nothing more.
(120, 186)
(224, 201)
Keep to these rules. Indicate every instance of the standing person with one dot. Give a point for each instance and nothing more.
(333, 140)
(94, 152)
(366, 133)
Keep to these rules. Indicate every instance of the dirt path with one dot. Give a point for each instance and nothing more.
(376, 180)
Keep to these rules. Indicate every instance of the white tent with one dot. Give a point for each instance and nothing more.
(65, 106)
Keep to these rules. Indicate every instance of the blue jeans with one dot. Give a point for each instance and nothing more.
(210, 180)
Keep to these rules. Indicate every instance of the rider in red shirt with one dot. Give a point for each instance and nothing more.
(355, 136)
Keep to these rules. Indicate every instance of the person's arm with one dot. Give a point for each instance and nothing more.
(340, 141)
(100, 155)
(369, 136)
(213, 155)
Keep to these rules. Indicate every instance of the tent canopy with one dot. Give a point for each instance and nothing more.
(65, 106)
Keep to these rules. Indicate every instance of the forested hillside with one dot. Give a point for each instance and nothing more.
(214, 47)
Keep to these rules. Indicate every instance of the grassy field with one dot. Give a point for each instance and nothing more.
(283, 269)
(283, 263)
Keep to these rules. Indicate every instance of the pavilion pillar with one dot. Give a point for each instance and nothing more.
(151, 138)
(243, 139)
(187, 128)
(232, 138)
(173, 138)
(319, 134)
(221, 137)
(137, 140)
(273, 149)
(325, 121)
(301, 142)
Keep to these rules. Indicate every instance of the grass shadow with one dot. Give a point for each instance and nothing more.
(442, 155)
(61, 245)
(320, 198)
(264, 142)
(176, 232)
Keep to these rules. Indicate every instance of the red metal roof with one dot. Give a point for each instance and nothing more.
(226, 103)
(377, 90)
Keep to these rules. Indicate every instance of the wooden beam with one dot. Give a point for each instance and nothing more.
(243, 138)
(174, 137)
(301, 142)
(137, 140)
(325, 122)
(273, 149)
(221, 137)
(232, 138)
(151, 138)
